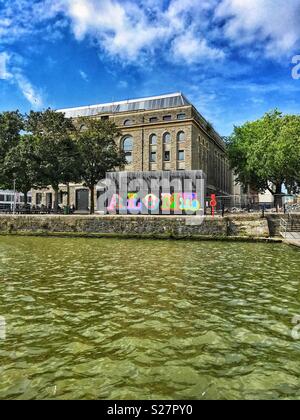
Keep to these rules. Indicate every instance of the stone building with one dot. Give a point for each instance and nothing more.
(10, 198)
(161, 133)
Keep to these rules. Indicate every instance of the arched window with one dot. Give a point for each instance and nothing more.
(167, 147)
(167, 138)
(128, 148)
(127, 122)
(153, 140)
(181, 137)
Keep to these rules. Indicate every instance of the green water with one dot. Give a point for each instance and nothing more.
(126, 319)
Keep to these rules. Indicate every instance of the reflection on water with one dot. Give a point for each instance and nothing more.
(126, 319)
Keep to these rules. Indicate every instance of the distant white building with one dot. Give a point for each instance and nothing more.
(7, 199)
(266, 199)
(241, 196)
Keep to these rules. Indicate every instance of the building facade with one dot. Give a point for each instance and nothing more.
(161, 133)
(9, 199)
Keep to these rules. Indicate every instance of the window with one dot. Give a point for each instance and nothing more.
(128, 148)
(2, 197)
(167, 118)
(153, 119)
(49, 200)
(180, 137)
(9, 198)
(153, 157)
(38, 199)
(127, 123)
(128, 156)
(104, 118)
(181, 116)
(167, 156)
(181, 155)
(167, 138)
(153, 140)
(128, 144)
(153, 148)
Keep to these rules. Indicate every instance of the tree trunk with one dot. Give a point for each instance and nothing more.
(92, 192)
(55, 203)
(68, 195)
(278, 197)
(25, 198)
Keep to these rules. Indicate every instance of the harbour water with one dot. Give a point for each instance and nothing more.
(135, 319)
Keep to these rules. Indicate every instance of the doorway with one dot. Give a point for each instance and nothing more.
(49, 200)
(82, 200)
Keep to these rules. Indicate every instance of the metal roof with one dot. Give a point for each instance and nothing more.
(142, 104)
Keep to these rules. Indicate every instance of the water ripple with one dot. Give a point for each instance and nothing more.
(130, 319)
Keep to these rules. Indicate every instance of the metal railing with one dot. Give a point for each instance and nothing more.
(33, 210)
(284, 224)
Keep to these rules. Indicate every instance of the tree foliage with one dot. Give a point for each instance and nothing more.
(44, 149)
(21, 164)
(11, 124)
(99, 153)
(56, 149)
(265, 154)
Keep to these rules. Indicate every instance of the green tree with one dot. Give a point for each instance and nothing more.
(21, 164)
(290, 137)
(265, 154)
(57, 152)
(11, 125)
(99, 152)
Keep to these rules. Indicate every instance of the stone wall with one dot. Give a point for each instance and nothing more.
(127, 225)
(248, 226)
(275, 225)
(141, 226)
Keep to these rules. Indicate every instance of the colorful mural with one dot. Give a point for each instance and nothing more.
(172, 192)
(167, 202)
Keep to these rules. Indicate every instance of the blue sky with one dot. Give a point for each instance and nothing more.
(231, 58)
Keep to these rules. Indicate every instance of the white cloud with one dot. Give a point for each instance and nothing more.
(122, 29)
(83, 75)
(136, 30)
(273, 23)
(28, 90)
(193, 50)
(131, 30)
(10, 72)
(20, 19)
(4, 60)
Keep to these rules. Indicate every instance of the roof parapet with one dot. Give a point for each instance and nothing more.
(142, 104)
